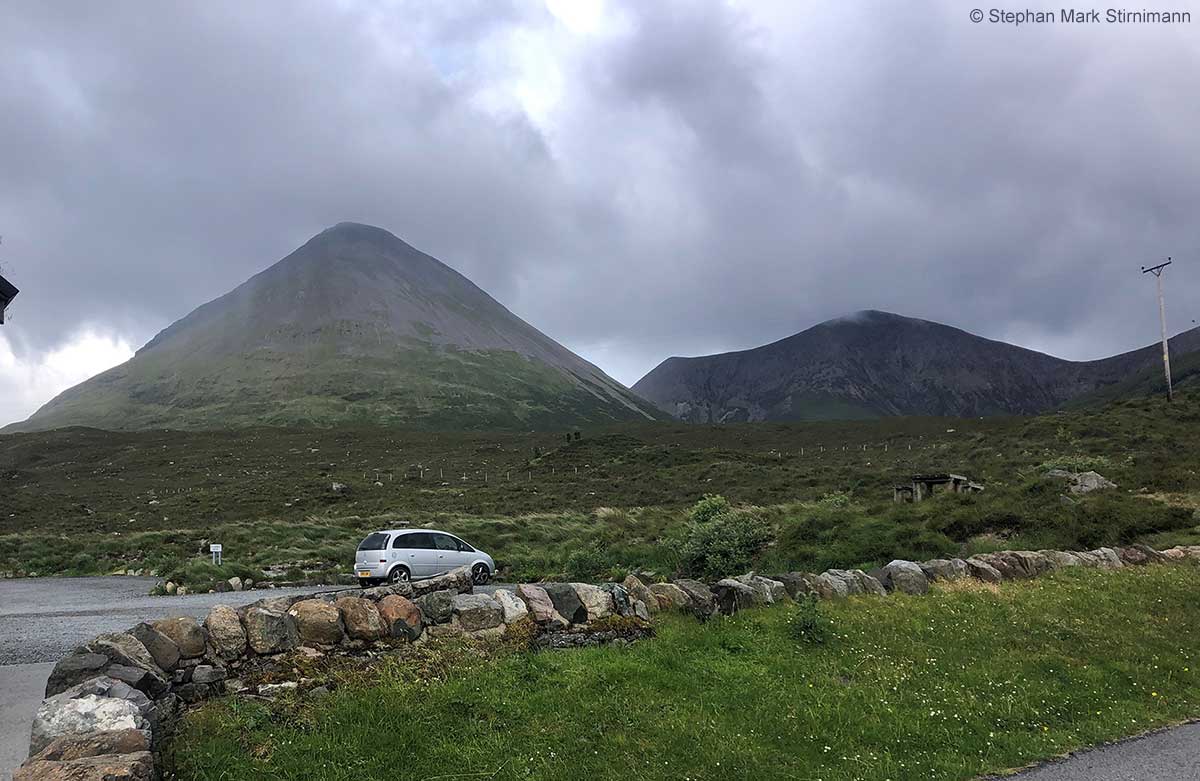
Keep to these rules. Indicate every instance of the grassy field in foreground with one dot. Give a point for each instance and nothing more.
(87, 502)
(966, 680)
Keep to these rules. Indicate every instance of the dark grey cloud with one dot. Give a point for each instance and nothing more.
(663, 178)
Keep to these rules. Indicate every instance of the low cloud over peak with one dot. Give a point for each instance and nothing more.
(636, 180)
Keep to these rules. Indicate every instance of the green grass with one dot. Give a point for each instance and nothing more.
(961, 682)
(615, 499)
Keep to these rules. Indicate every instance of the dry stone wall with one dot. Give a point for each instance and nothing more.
(111, 702)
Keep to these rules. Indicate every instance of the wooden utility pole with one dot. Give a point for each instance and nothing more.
(1162, 318)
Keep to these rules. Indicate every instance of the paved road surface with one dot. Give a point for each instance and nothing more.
(1167, 755)
(42, 619)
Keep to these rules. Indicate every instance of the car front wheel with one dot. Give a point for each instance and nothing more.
(480, 574)
(399, 575)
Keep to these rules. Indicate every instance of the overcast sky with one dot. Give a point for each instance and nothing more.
(637, 179)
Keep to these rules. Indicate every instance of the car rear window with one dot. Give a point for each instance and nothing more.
(376, 541)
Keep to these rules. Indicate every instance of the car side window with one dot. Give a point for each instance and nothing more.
(445, 542)
(463, 547)
(417, 540)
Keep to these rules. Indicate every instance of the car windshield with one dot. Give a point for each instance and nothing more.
(376, 541)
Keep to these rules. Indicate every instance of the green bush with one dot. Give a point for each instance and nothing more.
(721, 541)
(1077, 463)
(709, 508)
(588, 563)
(807, 621)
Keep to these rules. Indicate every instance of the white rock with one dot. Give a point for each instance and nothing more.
(513, 606)
(61, 715)
(599, 603)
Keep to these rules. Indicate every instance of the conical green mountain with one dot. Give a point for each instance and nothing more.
(353, 328)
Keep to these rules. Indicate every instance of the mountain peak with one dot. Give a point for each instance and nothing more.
(358, 231)
(873, 363)
(870, 317)
(355, 326)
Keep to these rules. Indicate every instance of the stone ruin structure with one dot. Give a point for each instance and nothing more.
(924, 486)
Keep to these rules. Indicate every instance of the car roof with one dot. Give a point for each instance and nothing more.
(412, 529)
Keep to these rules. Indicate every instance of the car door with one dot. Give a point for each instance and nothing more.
(448, 556)
(416, 551)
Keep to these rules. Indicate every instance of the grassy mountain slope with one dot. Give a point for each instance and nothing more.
(876, 364)
(355, 327)
(86, 501)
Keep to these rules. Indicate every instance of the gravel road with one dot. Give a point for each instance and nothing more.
(44, 618)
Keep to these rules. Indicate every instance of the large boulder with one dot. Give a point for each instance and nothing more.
(437, 607)
(107, 686)
(75, 668)
(596, 601)
(136, 766)
(512, 606)
(376, 593)
(869, 584)
(124, 648)
(1140, 554)
(670, 596)
(1009, 566)
(1086, 482)
(983, 571)
(208, 674)
(541, 606)
(639, 592)
(732, 595)
(828, 586)
(270, 631)
(1181, 552)
(93, 744)
(1109, 558)
(772, 591)
(130, 662)
(700, 597)
(66, 715)
(317, 622)
(904, 576)
(361, 618)
(162, 649)
(846, 582)
(1035, 564)
(1061, 558)
(477, 612)
(567, 602)
(226, 637)
(620, 598)
(401, 617)
(797, 584)
(1082, 482)
(457, 581)
(945, 569)
(186, 633)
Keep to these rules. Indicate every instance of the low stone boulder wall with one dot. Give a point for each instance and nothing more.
(110, 702)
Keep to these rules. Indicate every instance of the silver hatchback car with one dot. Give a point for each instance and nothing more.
(400, 555)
